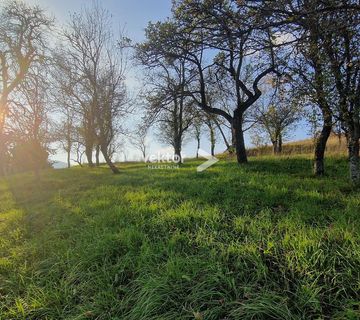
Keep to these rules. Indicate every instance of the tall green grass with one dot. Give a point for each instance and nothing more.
(261, 241)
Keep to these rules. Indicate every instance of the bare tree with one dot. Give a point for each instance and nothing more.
(166, 104)
(79, 149)
(211, 126)
(29, 114)
(276, 115)
(112, 106)
(65, 132)
(91, 71)
(29, 119)
(214, 125)
(140, 140)
(197, 128)
(197, 31)
(22, 43)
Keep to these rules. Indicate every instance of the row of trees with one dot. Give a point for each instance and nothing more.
(89, 74)
(220, 55)
(225, 65)
(73, 94)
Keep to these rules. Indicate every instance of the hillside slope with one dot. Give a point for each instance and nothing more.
(335, 145)
(262, 241)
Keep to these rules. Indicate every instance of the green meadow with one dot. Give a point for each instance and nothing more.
(265, 240)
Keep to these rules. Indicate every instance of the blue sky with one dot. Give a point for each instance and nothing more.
(134, 16)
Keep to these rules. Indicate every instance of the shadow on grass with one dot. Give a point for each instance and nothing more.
(281, 185)
(251, 240)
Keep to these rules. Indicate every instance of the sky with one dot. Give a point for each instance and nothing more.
(133, 16)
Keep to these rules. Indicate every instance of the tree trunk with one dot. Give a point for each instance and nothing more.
(97, 155)
(354, 164)
(277, 143)
(198, 147)
(144, 154)
(233, 140)
(177, 149)
(275, 147)
(111, 165)
(212, 140)
(280, 144)
(320, 145)
(69, 159)
(239, 138)
(227, 144)
(88, 152)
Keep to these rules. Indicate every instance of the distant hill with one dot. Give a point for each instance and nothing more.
(335, 145)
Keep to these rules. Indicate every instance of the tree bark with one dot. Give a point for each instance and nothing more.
(69, 159)
(233, 140)
(89, 152)
(213, 148)
(177, 149)
(97, 155)
(320, 145)
(316, 59)
(280, 144)
(111, 165)
(227, 144)
(212, 140)
(198, 147)
(354, 164)
(275, 147)
(144, 154)
(239, 138)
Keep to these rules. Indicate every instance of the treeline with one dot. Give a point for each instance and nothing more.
(260, 65)
(69, 93)
(220, 67)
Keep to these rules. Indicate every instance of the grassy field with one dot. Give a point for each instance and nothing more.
(261, 241)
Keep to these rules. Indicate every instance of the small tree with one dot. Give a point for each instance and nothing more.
(211, 126)
(277, 122)
(167, 106)
(140, 140)
(276, 115)
(79, 150)
(197, 128)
